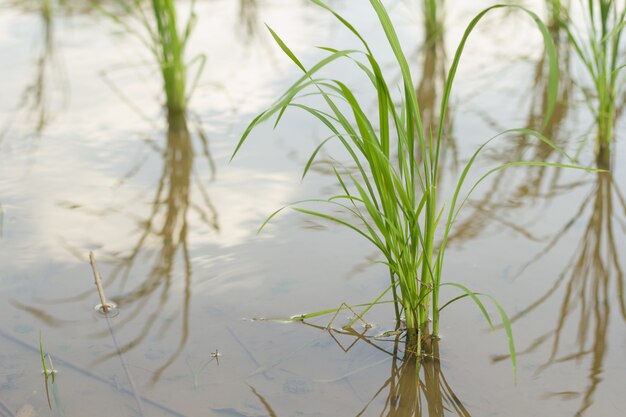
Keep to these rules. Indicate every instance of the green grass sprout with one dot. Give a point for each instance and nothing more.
(50, 373)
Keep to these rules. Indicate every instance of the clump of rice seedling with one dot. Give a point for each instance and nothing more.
(555, 8)
(168, 45)
(433, 17)
(170, 52)
(391, 197)
(598, 47)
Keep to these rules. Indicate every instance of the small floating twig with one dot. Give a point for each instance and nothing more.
(105, 309)
(98, 280)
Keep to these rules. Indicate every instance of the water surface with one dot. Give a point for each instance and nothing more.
(89, 161)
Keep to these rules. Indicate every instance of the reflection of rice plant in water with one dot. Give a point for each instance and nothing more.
(392, 198)
(46, 95)
(428, 395)
(168, 44)
(591, 284)
(416, 386)
(598, 47)
(432, 79)
(160, 243)
(167, 224)
(248, 18)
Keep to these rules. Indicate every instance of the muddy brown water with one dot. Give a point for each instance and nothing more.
(88, 162)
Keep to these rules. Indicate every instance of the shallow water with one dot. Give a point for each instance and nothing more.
(88, 161)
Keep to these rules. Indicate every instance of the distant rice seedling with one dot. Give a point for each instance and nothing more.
(433, 16)
(391, 197)
(168, 44)
(597, 45)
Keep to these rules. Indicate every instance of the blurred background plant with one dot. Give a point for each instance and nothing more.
(597, 41)
(158, 30)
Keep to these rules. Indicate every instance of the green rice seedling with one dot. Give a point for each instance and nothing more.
(214, 356)
(168, 45)
(47, 372)
(50, 373)
(555, 8)
(433, 17)
(598, 47)
(391, 198)
(170, 52)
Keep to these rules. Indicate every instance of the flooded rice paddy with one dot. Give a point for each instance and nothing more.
(90, 161)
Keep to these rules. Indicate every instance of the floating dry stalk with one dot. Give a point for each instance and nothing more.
(92, 260)
(106, 308)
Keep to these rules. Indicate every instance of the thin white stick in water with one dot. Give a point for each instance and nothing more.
(98, 280)
(105, 308)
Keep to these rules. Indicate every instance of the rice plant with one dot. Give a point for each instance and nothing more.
(598, 47)
(168, 45)
(555, 9)
(391, 198)
(433, 19)
(170, 52)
